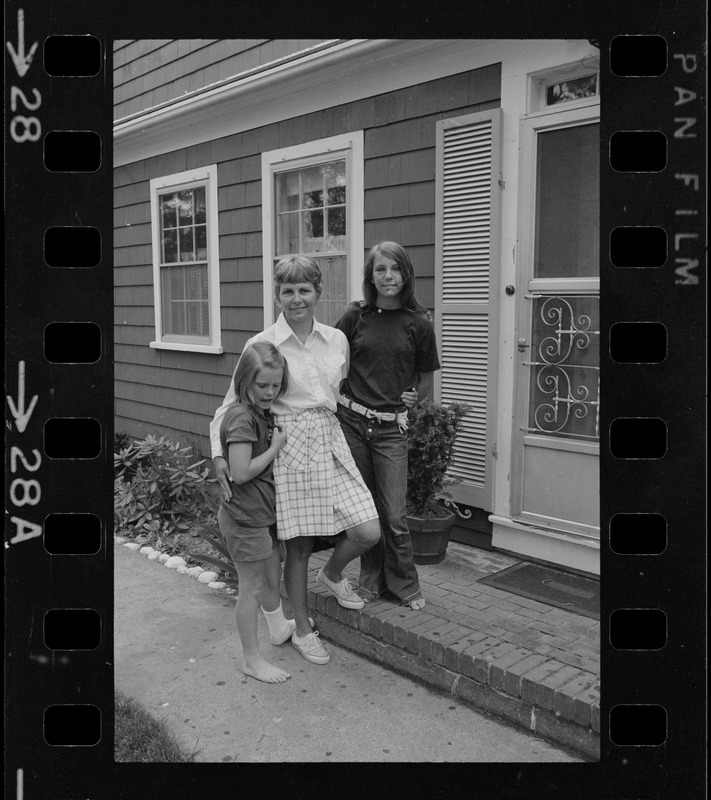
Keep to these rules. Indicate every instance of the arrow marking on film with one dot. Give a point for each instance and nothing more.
(19, 59)
(21, 416)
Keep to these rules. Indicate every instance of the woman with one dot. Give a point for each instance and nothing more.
(319, 491)
(393, 356)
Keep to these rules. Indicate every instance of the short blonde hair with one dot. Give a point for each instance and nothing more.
(297, 269)
(256, 356)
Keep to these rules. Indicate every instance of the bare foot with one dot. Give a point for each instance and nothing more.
(418, 604)
(264, 671)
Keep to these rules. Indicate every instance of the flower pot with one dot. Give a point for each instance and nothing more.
(430, 538)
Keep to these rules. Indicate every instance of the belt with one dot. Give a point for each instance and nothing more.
(371, 413)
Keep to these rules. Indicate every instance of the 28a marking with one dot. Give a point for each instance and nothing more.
(23, 491)
(23, 128)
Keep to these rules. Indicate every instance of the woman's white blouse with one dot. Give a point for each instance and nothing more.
(316, 370)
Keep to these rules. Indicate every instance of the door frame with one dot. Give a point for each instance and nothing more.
(530, 126)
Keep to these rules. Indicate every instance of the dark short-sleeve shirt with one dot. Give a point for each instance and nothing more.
(389, 349)
(253, 503)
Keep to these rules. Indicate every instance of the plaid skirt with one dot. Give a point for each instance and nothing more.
(319, 490)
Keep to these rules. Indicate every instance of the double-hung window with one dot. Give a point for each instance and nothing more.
(313, 206)
(186, 261)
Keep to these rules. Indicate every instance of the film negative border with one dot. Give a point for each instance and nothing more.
(43, 576)
(59, 407)
(655, 284)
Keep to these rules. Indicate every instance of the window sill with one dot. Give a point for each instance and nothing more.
(187, 348)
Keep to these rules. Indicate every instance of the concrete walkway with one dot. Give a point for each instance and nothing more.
(530, 664)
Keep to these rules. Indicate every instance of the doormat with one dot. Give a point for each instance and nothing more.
(561, 589)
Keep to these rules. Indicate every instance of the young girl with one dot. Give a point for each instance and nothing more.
(393, 356)
(250, 441)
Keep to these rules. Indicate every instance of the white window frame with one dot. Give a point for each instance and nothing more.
(207, 177)
(538, 83)
(348, 146)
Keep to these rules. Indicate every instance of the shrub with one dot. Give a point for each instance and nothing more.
(433, 429)
(121, 441)
(158, 488)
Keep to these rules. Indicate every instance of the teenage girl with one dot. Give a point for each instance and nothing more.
(393, 356)
(250, 441)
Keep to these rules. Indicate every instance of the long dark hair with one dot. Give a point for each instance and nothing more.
(399, 255)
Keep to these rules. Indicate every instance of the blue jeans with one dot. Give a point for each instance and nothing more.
(380, 453)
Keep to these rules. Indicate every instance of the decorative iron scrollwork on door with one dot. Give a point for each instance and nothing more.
(565, 385)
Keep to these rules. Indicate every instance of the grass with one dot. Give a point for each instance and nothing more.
(141, 737)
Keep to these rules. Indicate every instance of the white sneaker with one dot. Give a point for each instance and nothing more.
(342, 590)
(311, 648)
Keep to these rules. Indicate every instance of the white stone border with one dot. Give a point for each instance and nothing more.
(177, 563)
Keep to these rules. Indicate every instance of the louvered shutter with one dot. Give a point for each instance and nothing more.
(466, 255)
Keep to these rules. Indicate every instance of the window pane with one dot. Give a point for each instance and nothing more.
(288, 234)
(571, 90)
(565, 352)
(167, 210)
(201, 242)
(200, 206)
(334, 297)
(170, 247)
(177, 318)
(335, 175)
(312, 187)
(313, 231)
(197, 318)
(173, 310)
(203, 282)
(194, 319)
(337, 196)
(287, 193)
(185, 207)
(567, 203)
(176, 276)
(196, 282)
(337, 227)
(186, 244)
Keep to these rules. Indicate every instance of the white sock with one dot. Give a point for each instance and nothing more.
(280, 628)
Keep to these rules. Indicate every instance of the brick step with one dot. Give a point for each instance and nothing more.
(555, 699)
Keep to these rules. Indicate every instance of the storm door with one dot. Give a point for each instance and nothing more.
(556, 441)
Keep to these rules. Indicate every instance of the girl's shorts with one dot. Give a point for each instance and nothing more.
(246, 544)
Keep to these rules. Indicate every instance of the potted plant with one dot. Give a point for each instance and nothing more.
(433, 429)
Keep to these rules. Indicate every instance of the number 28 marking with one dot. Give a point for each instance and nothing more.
(15, 92)
(16, 453)
(31, 130)
(25, 129)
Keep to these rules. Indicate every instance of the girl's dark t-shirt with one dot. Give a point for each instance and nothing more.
(389, 349)
(253, 503)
